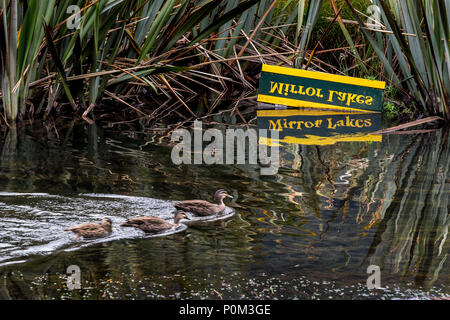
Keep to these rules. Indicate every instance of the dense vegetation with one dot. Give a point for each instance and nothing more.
(125, 51)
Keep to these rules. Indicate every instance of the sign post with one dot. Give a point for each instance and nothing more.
(311, 89)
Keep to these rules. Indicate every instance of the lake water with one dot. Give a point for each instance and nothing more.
(309, 232)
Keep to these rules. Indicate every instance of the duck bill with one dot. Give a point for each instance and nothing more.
(228, 196)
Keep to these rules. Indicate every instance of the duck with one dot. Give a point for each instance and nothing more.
(92, 230)
(151, 224)
(204, 208)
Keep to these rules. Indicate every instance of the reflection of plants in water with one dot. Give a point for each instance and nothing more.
(410, 204)
(70, 158)
(396, 194)
(401, 188)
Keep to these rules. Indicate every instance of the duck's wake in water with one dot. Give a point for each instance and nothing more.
(34, 223)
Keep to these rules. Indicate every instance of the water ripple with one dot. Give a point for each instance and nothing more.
(33, 223)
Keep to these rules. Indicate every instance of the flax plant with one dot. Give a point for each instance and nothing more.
(19, 49)
(45, 61)
(37, 43)
(413, 47)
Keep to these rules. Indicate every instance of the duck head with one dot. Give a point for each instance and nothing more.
(107, 224)
(220, 195)
(180, 215)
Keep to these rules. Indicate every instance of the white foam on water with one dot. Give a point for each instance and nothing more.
(227, 213)
(12, 262)
(36, 228)
(19, 194)
(119, 234)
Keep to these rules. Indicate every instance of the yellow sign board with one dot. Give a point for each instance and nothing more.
(302, 88)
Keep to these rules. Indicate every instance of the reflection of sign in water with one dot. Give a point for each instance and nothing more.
(320, 127)
(301, 88)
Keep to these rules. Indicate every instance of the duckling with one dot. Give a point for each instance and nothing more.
(204, 208)
(92, 230)
(153, 224)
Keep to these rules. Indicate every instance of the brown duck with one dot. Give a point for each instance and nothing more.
(92, 230)
(204, 208)
(153, 224)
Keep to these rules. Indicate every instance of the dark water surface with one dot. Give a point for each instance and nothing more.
(311, 231)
